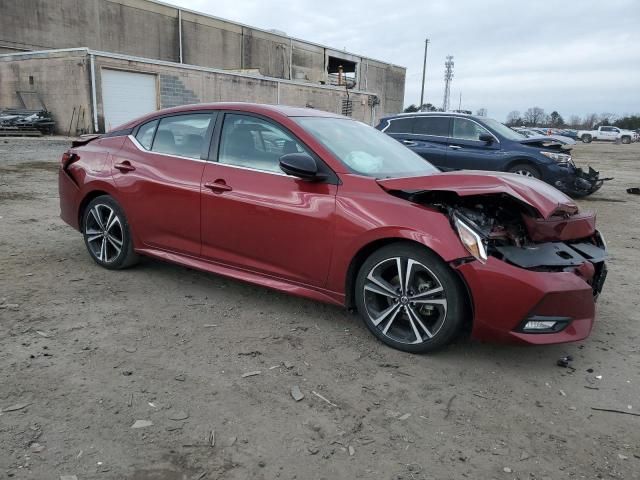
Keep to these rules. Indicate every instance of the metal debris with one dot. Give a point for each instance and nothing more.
(179, 415)
(251, 374)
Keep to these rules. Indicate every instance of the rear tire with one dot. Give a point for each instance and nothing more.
(525, 170)
(410, 299)
(586, 139)
(107, 235)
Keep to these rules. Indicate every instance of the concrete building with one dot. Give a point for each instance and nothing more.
(112, 60)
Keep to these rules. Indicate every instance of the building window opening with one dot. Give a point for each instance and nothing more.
(341, 72)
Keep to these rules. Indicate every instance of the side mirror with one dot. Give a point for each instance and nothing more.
(300, 165)
(486, 137)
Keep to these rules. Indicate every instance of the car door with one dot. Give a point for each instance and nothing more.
(466, 150)
(158, 173)
(258, 218)
(425, 135)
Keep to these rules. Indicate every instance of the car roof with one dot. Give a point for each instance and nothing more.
(258, 108)
(429, 114)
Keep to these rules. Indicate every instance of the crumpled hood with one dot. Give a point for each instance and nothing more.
(546, 199)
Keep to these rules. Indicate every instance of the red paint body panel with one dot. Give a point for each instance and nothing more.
(300, 237)
(581, 225)
(540, 195)
(504, 295)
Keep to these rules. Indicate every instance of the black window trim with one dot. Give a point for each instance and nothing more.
(214, 149)
(214, 114)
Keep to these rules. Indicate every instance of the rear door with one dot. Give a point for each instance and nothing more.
(158, 172)
(425, 135)
(254, 216)
(466, 151)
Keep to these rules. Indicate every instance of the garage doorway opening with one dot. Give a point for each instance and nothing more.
(342, 72)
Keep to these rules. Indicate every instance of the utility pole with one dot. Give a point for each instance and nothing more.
(460, 102)
(448, 76)
(424, 70)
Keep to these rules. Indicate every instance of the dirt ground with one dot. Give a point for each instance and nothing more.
(86, 352)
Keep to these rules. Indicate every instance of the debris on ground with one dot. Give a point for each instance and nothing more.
(634, 190)
(296, 393)
(142, 424)
(179, 415)
(324, 399)
(181, 377)
(17, 406)
(615, 410)
(42, 334)
(507, 470)
(352, 451)
(288, 365)
(212, 438)
(565, 361)
(251, 374)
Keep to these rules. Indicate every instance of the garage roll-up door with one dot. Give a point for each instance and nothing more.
(127, 95)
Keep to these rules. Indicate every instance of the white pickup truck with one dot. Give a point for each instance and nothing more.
(611, 134)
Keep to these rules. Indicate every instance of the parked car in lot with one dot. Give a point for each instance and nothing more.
(322, 206)
(531, 133)
(606, 134)
(453, 141)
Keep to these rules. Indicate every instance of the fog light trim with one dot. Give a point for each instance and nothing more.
(544, 324)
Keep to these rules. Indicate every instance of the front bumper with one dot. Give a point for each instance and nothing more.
(505, 296)
(575, 181)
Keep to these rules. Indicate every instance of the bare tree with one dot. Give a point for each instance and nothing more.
(575, 121)
(534, 116)
(590, 120)
(514, 119)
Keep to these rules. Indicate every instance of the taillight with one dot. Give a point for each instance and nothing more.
(68, 158)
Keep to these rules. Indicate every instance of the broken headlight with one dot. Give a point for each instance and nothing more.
(471, 240)
(557, 157)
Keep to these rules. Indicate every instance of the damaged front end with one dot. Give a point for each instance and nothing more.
(536, 263)
(498, 226)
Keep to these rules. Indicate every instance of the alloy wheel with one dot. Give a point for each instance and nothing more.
(524, 173)
(405, 300)
(104, 233)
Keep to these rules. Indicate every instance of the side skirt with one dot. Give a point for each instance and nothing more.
(263, 280)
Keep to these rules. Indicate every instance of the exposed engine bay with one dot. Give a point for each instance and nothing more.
(516, 233)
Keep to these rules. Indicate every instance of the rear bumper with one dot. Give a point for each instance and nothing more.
(505, 296)
(69, 199)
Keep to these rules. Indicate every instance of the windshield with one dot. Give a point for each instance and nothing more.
(364, 149)
(503, 130)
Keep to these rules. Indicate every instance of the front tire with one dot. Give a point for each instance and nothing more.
(107, 235)
(586, 139)
(410, 299)
(626, 140)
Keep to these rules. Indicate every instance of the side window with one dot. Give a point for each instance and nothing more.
(182, 135)
(400, 125)
(436, 126)
(464, 129)
(254, 143)
(145, 134)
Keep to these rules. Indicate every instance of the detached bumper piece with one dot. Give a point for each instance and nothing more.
(581, 183)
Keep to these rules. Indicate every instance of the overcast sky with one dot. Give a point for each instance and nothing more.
(576, 57)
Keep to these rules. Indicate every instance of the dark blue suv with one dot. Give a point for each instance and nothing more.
(453, 141)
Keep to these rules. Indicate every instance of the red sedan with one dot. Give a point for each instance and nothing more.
(323, 206)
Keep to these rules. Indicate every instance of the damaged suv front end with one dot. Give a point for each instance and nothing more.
(536, 264)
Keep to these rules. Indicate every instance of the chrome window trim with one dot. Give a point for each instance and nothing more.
(144, 150)
(453, 117)
(139, 146)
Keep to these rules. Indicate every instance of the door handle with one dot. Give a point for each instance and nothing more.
(454, 147)
(124, 167)
(218, 186)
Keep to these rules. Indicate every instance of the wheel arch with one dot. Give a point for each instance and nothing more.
(366, 250)
(520, 161)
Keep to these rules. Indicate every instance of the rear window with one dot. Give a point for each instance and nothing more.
(399, 125)
(436, 126)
